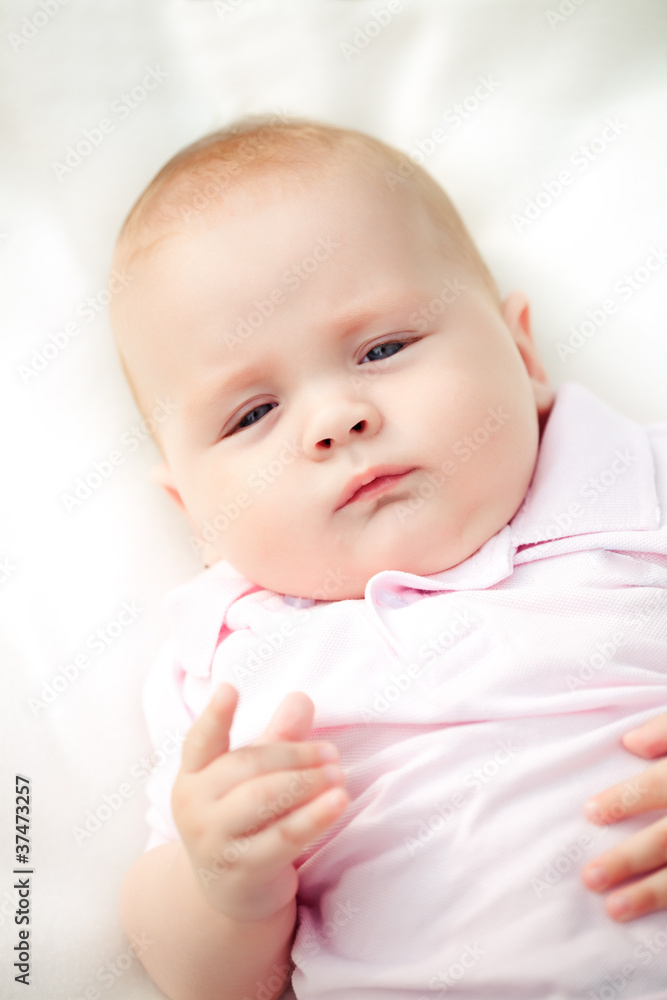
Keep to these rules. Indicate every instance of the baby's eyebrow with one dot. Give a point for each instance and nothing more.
(377, 309)
(216, 388)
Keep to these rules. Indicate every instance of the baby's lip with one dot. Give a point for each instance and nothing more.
(378, 480)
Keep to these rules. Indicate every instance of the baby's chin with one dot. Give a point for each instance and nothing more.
(349, 582)
(418, 545)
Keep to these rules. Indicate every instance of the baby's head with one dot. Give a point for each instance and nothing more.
(350, 393)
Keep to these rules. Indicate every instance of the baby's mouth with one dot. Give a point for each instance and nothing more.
(373, 484)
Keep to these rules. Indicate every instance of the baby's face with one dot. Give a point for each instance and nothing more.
(318, 340)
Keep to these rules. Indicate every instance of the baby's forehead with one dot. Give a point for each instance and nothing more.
(193, 201)
(218, 283)
(194, 185)
(272, 234)
(278, 245)
(336, 187)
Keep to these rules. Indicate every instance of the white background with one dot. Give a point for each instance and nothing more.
(559, 80)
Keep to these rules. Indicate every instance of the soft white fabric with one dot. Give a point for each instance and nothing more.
(475, 711)
(72, 572)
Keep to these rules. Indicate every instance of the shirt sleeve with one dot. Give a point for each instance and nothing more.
(168, 719)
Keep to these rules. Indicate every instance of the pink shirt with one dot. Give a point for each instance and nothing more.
(475, 711)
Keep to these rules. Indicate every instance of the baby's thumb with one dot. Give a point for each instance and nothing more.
(292, 720)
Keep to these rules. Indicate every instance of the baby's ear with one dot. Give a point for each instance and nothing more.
(161, 475)
(515, 311)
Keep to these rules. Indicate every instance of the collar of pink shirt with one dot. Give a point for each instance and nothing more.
(594, 475)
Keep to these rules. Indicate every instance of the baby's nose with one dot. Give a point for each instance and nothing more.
(338, 424)
(358, 428)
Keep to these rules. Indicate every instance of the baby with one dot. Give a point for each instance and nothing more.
(434, 597)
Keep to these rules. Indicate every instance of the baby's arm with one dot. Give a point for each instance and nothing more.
(193, 950)
(217, 910)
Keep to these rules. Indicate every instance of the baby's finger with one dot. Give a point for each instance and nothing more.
(649, 740)
(645, 896)
(643, 852)
(249, 762)
(637, 795)
(283, 841)
(292, 720)
(208, 737)
(252, 805)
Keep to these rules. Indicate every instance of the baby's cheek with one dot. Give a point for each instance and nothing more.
(518, 464)
(494, 467)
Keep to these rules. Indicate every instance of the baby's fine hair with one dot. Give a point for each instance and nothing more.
(197, 181)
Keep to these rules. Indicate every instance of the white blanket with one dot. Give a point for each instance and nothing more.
(544, 121)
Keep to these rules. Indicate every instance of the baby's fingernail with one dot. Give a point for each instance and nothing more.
(596, 877)
(220, 695)
(327, 752)
(619, 906)
(334, 798)
(593, 812)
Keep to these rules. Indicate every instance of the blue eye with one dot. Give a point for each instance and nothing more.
(254, 415)
(383, 351)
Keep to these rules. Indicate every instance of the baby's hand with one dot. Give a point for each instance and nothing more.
(645, 851)
(245, 815)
